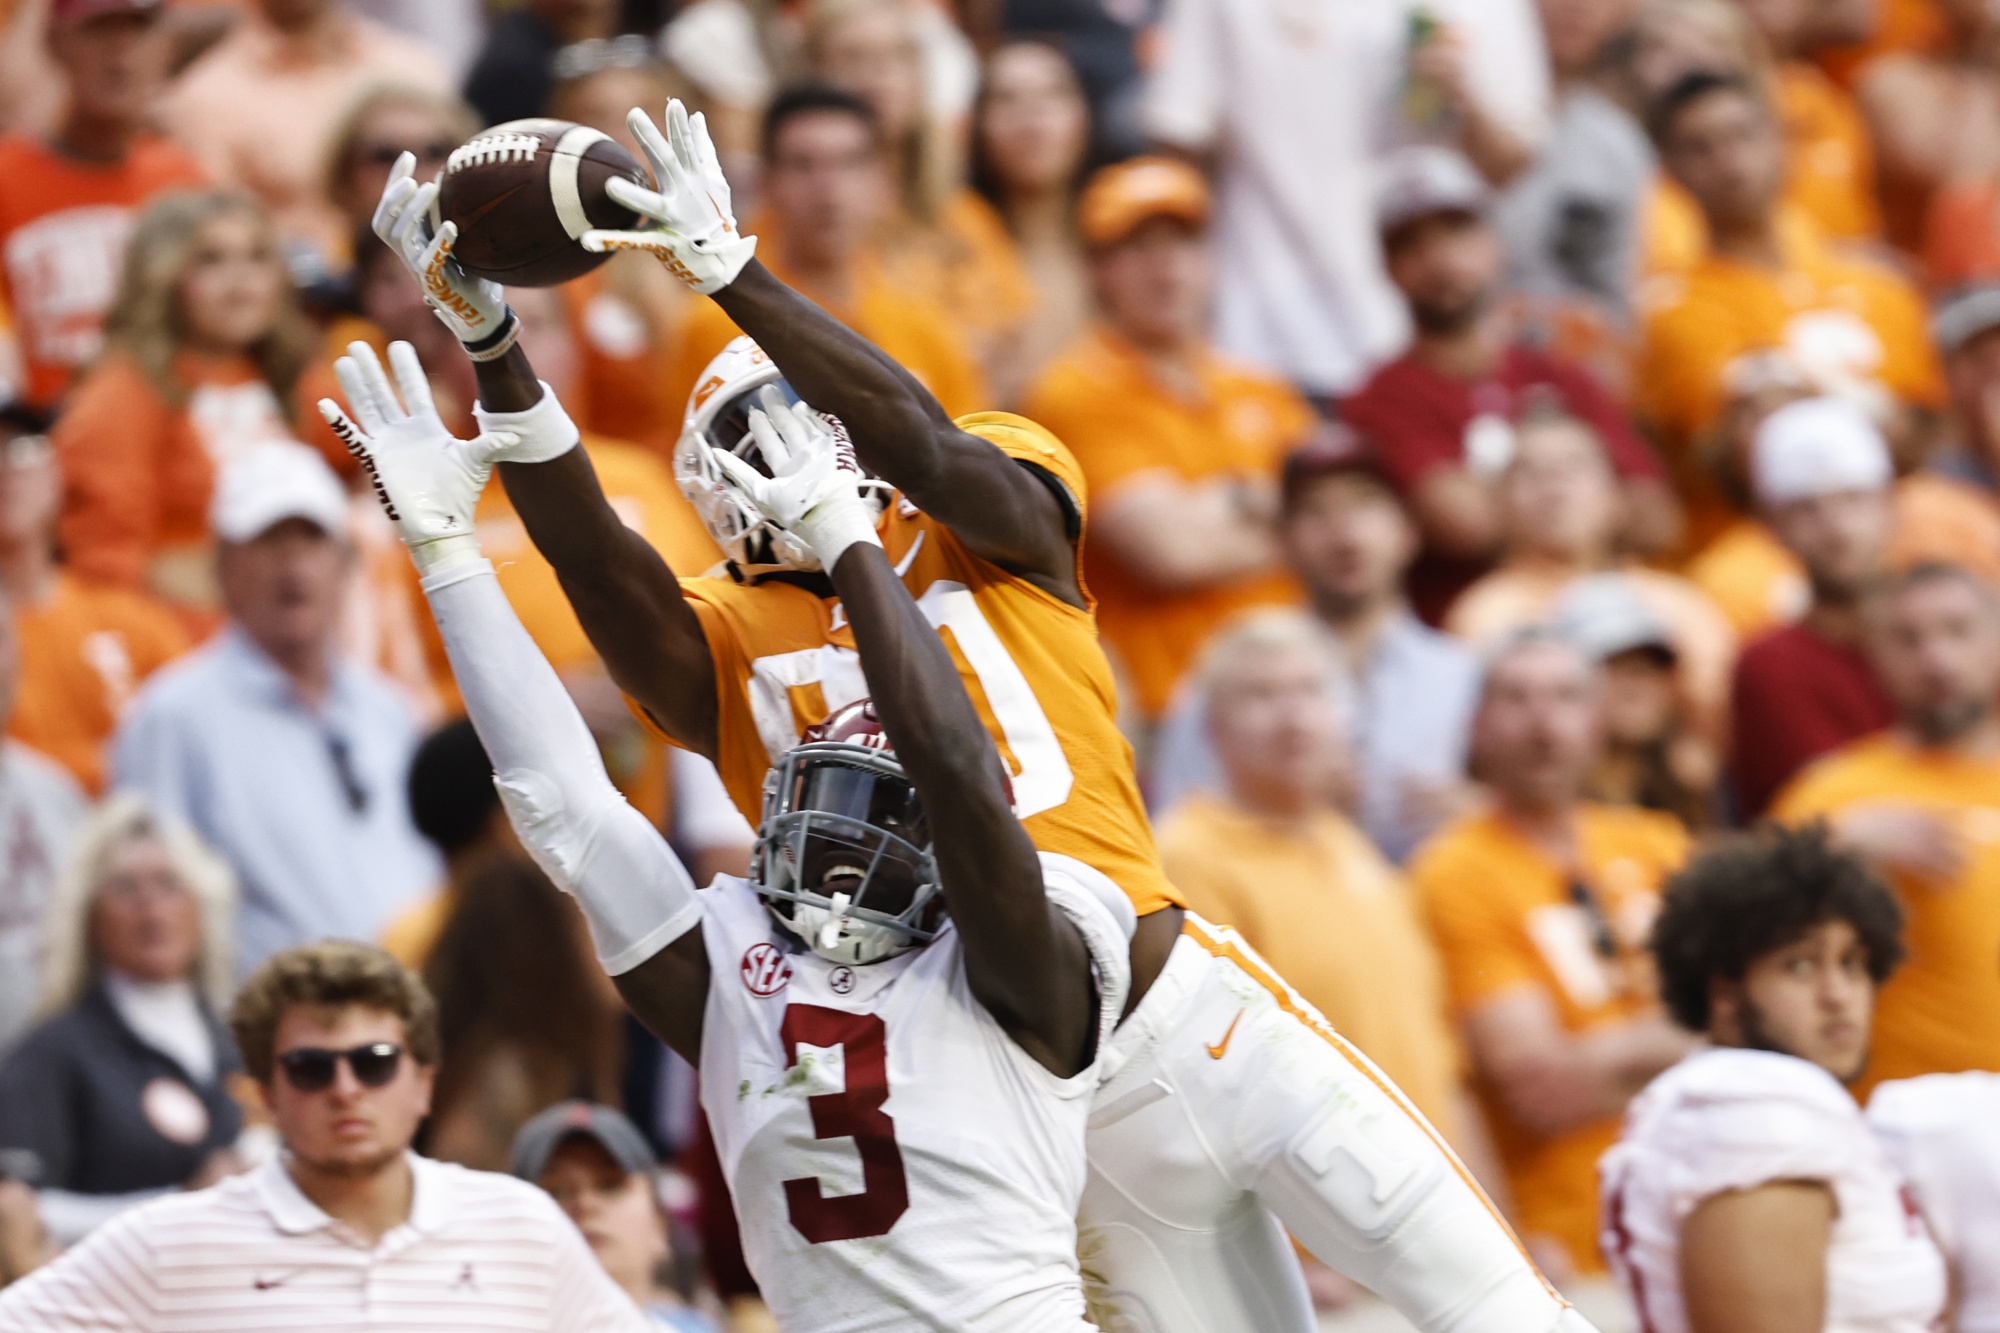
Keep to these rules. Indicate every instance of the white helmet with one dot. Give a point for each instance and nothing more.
(718, 420)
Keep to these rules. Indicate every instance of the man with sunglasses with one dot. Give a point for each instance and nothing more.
(347, 1226)
(901, 1018)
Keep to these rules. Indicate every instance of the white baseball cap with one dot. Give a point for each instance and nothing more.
(1425, 181)
(271, 482)
(1817, 446)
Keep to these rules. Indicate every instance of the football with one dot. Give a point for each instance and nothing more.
(523, 192)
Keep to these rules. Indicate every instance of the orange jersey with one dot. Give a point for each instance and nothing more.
(63, 226)
(1940, 1012)
(1843, 321)
(785, 659)
(82, 653)
(1504, 919)
(1125, 425)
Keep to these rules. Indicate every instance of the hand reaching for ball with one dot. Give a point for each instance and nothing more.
(472, 308)
(697, 236)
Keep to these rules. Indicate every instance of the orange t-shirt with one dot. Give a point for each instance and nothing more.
(1844, 321)
(625, 390)
(63, 227)
(969, 265)
(785, 659)
(1900, 25)
(916, 334)
(1962, 234)
(1335, 920)
(1504, 920)
(1759, 584)
(82, 653)
(138, 470)
(1940, 1012)
(1123, 424)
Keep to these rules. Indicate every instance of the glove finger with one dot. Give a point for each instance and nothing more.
(378, 406)
(651, 143)
(486, 445)
(709, 161)
(355, 389)
(600, 242)
(646, 203)
(389, 208)
(744, 477)
(776, 449)
(411, 379)
(409, 240)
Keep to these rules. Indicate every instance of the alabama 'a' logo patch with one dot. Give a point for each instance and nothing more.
(765, 969)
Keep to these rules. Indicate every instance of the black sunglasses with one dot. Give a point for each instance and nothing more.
(312, 1068)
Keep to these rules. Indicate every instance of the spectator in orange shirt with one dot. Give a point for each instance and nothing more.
(260, 108)
(1935, 114)
(1540, 907)
(1918, 802)
(1272, 855)
(942, 240)
(1440, 413)
(67, 202)
(1830, 166)
(627, 312)
(825, 190)
(1180, 448)
(204, 353)
(1030, 141)
(1763, 295)
(83, 647)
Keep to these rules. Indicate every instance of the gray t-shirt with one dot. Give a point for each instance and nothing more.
(40, 809)
(1571, 221)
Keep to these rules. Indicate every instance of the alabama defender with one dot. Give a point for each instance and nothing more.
(1746, 1194)
(1236, 1106)
(900, 1021)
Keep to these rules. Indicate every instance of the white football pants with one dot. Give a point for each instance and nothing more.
(1234, 1112)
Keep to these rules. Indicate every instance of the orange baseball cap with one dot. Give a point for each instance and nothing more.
(1120, 197)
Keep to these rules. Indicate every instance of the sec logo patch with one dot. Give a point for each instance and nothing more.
(765, 969)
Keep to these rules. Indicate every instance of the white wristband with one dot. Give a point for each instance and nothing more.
(542, 432)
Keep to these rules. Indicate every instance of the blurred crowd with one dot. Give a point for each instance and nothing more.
(1522, 438)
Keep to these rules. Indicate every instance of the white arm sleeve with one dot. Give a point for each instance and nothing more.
(634, 892)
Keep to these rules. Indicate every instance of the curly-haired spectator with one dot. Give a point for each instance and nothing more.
(1915, 802)
(67, 200)
(347, 1226)
(122, 1092)
(1746, 1192)
(205, 350)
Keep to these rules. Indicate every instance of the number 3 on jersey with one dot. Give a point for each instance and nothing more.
(854, 1112)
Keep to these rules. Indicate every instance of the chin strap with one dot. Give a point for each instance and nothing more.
(836, 922)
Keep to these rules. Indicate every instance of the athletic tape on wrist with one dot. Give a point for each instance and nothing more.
(499, 344)
(542, 432)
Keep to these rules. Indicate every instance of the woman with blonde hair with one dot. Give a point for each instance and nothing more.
(381, 123)
(204, 351)
(945, 241)
(121, 1091)
(1830, 182)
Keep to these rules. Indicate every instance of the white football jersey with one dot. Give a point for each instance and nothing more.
(1724, 1120)
(1943, 1132)
(896, 1160)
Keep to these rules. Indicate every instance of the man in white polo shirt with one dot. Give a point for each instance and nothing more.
(347, 1228)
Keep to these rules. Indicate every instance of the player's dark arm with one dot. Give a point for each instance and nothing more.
(999, 509)
(626, 598)
(1024, 960)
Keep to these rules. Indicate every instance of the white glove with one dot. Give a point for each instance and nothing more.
(428, 479)
(474, 309)
(814, 490)
(697, 236)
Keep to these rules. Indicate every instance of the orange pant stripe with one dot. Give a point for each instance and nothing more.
(1223, 942)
